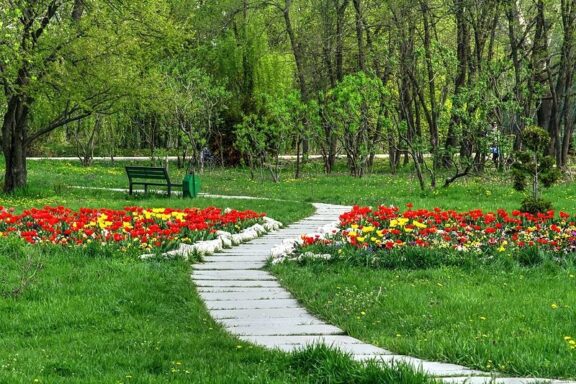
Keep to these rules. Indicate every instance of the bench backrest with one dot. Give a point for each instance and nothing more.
(156, 173)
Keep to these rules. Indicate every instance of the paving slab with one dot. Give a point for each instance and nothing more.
(290, 343)
(258, 295)
(271, 290)
(237, 283)
(285, 330)
(231, 323)
(267, 314)
(252, 304)
(229, 265)
(219, 258)
(303, 340)
(232, 275)
(238, 252)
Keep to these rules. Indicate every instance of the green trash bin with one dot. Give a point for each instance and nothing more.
(190, 185)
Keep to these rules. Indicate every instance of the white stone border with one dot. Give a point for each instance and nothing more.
(223, 240)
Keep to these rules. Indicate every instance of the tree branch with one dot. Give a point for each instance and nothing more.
(65, 118)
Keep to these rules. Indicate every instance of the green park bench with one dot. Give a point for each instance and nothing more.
(158, 176)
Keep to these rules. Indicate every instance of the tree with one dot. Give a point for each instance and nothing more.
(66, 60)
(355, 110)
(534, 165)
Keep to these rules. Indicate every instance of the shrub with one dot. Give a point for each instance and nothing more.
(531, 165)
(535, 205)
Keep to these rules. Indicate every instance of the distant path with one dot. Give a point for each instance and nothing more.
(250, 304)
(178, 193)
(169, 158)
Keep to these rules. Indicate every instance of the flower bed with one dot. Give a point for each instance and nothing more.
(386, 236)
(132, 227)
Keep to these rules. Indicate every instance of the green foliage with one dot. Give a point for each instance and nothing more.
(425, 258)
(530, 256)
(263, 138)
(194, 106)
(535, 138)
(535, 205)
(355, 108)
(532, 164)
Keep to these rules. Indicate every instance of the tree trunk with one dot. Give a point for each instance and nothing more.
(360, 35)
(462, 40)
(516, 50)
(14, 144)
(77, 10)
(340, 20)
(296, 51)
(297, 171)
(431, 78)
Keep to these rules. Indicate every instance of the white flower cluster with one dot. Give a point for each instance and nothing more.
(223, 240)
(284, 251)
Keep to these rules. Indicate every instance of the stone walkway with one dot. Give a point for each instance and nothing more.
(251, 304)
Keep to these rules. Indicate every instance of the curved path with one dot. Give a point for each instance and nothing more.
(252, 305)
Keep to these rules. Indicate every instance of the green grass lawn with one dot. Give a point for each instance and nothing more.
(94, 319)
(71, 317)
(512, 321)
(490, 191)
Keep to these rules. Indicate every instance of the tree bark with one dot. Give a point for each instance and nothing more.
(296, 51)
(78, 10)
(462, 43)
(360, 35)
(433, 126)
(14, 146)
(340, 20)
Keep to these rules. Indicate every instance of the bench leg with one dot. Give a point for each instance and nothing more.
(169, 190)
(145, 188)
(130, 188)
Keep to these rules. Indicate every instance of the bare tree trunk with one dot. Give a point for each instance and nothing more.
(360, 35)
(14, 143)
(431, 77)
(297, 172)
(462, 41)
(78, 10)
(340, 20)
(516, 49)
(566, 85)
(296, 51)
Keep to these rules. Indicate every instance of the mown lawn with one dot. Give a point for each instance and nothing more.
(78, 316)
(513, 321)
(72, 317)
(84, 318)
(489, 191)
